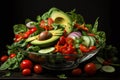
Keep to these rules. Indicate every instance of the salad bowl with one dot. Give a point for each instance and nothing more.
(59, 61)
(57, 40)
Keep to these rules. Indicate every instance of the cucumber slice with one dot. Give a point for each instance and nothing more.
(108, 69)
(46, 50)
(100, 60)
(86, 41)
(92, 39)
(98, 66)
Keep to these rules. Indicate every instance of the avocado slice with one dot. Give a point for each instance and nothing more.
(43, 43)
(62, 18)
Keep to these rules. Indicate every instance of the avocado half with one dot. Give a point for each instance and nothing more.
(62, 18)
(43, 43)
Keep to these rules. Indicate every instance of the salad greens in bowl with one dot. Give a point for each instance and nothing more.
(57, 40)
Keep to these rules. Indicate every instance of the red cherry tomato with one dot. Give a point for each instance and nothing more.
(26, 63)
(76, 71)
(26, 72)
(4, 58)
(12, 55)
(37, 68)
(90, 68)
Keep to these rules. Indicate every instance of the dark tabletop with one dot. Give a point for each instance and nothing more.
(53, 75)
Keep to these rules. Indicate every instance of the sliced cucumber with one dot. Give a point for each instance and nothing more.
(46, 50)
(86, 41)
(98, 66)
(108, 69)
(92, 39)
(100, 59)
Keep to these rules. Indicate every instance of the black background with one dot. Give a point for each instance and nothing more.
(16, 11)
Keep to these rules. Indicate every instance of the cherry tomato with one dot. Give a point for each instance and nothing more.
(76, 71)
(26, 63)
(4, 58)
(12, 55)
(26, 72)
(37, 68)
(90, 68)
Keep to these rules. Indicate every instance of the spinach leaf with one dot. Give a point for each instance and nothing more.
(12, 63)
(95, 26)
(78, 18)
(101, 37)
(18, 28)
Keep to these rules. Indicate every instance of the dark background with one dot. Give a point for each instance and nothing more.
(16, 11)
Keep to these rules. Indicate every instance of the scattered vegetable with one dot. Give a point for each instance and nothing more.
(26, 72)
(108, 69)
(4, 58)
(26, 63)
(90, 68)
(76, 71)
(37, 68)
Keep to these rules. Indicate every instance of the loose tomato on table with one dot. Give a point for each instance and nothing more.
(76, 71)
(26, 72)
(26, 63)
(90, 68)
(4, 58)
(37, 68)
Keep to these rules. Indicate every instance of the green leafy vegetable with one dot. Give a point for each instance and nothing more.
(76, 17)
(19, 28)
(12, 63)
(95, 27)
(62, 76)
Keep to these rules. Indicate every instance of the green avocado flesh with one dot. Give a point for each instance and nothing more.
(38, 42)
(62, 18)
(55, 36)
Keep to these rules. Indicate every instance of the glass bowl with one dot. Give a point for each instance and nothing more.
(60, 61)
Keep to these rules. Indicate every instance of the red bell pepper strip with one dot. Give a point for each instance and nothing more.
(78, 26)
